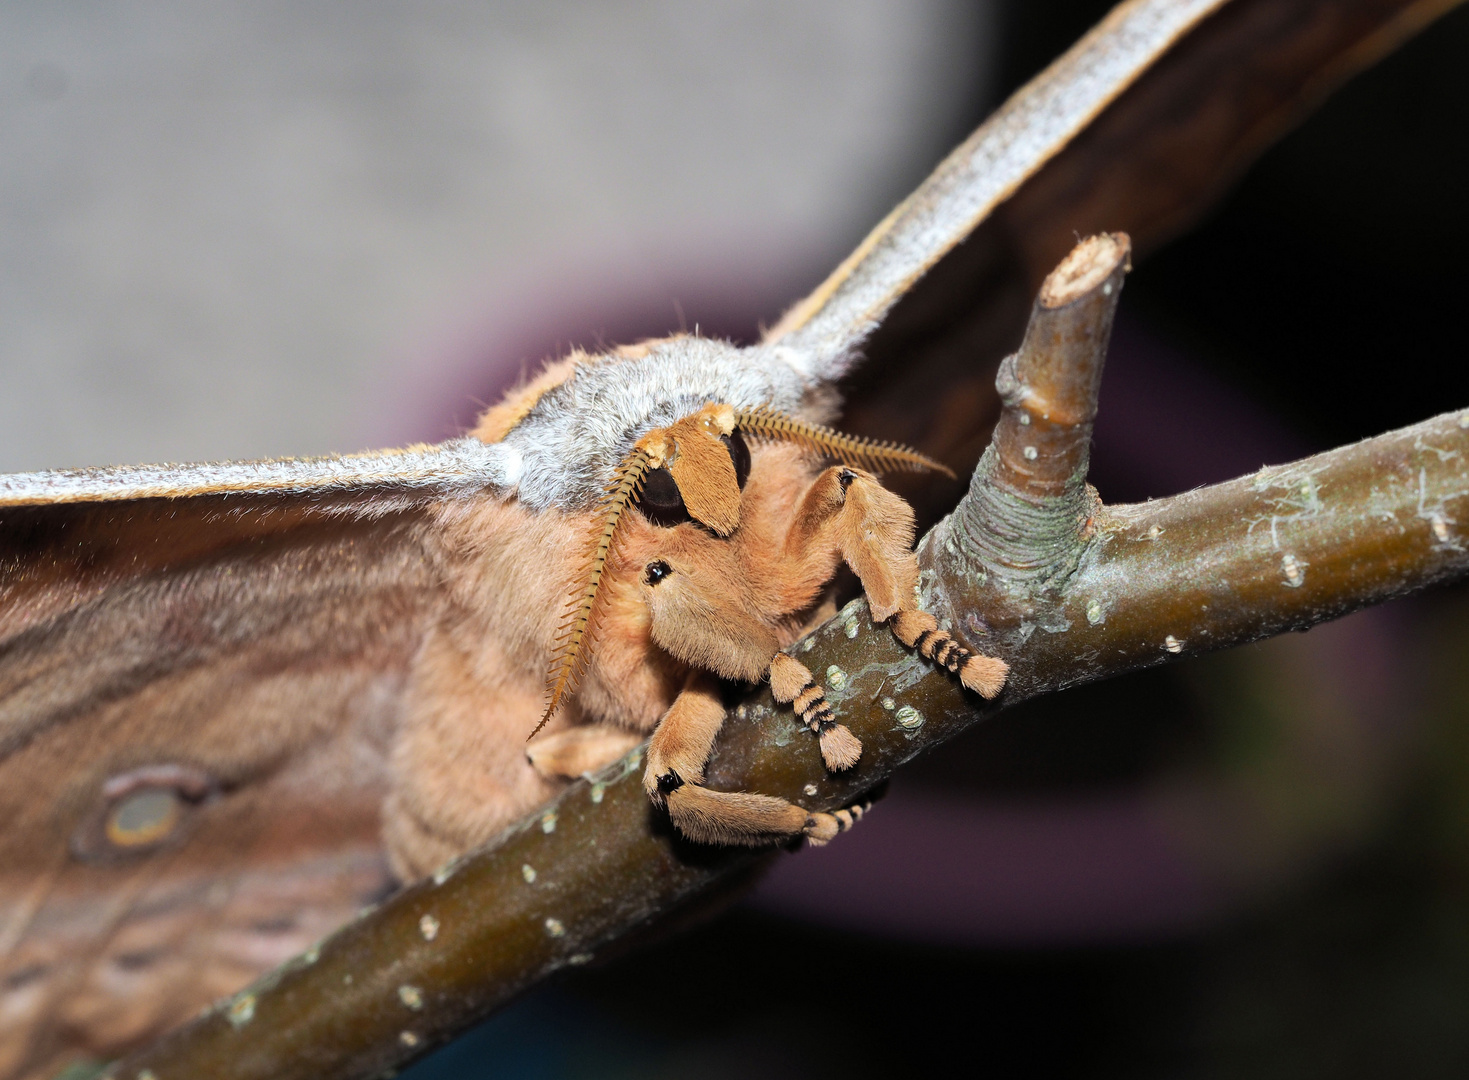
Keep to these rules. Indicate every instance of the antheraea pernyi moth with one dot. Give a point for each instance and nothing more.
(298, 637)
(238, 701)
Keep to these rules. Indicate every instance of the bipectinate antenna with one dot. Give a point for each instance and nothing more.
(878, 457)
(578, 628)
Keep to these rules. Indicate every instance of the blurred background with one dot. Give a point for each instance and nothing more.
(251, 230)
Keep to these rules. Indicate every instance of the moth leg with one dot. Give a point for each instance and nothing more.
(872, 529)
(824, 827)
(674, 778)
(750, 820)
(577, 750)
(791, 683)
(919, 630)
(847, 516)
(681, 743)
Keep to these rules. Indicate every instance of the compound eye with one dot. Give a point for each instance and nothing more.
(739, 453)
(656, 571)
(660, 499)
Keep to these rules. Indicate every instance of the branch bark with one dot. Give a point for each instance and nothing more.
(1030, 566)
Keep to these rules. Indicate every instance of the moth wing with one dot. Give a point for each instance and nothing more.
(1140, 127)
(1014, 144)
(198, 683)
(363, 481)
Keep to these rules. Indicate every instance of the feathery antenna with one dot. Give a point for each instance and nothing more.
(579, 626)
(878, 457)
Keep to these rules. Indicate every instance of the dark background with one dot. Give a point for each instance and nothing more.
(1321, 784)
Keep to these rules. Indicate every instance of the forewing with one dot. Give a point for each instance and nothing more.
(1140, 128)
(1009, 148)
(242, 654)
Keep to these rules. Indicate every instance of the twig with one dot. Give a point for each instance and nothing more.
(1028, 504)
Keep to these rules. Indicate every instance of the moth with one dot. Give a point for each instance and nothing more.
(238, 701)
(639, 524)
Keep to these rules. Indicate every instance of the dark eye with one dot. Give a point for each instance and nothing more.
(660, 499)
(655, 572)
(739, 453)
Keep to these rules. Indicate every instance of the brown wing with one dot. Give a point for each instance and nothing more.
(1139, 128)
(1015, 144)
(196, 697)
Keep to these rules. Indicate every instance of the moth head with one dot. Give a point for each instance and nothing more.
(694, 470)
(700, 613)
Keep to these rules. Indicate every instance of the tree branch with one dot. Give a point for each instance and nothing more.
(1030, 566)
(1028, 501)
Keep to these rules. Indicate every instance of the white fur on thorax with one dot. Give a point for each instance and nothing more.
(572, 441)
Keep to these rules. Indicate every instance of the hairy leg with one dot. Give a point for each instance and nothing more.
(847, 514)
(749, 820)
(684, 737)
(674, 778)
(586, 748)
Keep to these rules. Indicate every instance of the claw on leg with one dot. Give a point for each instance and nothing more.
(822, 827)
(791, 682)
(749, 820)
(919, 630)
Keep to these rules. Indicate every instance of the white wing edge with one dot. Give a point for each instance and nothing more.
(456, 466)
(1027, 131)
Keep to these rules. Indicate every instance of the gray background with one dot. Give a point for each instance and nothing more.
(232, 230)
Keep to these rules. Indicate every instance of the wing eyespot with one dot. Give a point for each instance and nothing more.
(141, 811)
(144, 817)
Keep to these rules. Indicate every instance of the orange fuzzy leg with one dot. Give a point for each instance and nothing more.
(919, 630)
(791, 683)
